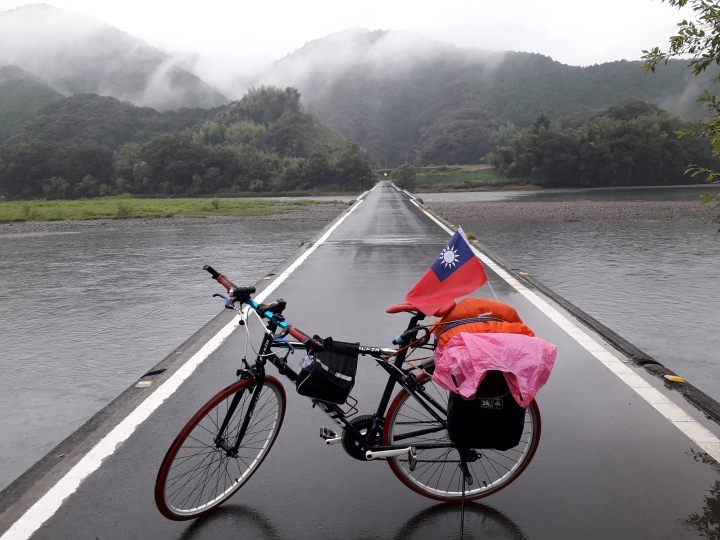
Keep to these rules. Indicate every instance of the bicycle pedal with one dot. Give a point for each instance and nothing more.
(412, 458)
(329, 436)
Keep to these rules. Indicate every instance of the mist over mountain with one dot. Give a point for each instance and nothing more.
(407, 98)
(75, 54)
(403, 96)
(22, 95)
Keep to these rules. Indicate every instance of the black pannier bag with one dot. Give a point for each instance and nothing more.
(331, 375)
(493, 420)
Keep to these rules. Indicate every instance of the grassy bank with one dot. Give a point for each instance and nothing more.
(467, 178)
(126, 208)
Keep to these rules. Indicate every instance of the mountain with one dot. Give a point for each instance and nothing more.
(22, 95)
(405, 97)
(75, 54)
(90, 119)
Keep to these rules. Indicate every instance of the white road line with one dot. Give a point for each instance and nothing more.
(49, 503)
(698, 433)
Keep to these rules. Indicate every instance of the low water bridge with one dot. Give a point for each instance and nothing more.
(621, 455)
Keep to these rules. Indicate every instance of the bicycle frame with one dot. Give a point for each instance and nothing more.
(396, 376)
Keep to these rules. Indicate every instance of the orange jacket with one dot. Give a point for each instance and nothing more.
(510, 322)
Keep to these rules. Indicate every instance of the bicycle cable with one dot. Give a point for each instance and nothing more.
(248, 340)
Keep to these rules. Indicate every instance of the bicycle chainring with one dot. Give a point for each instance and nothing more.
(362, 424)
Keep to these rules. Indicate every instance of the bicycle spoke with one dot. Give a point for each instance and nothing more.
(198, 472)
(200, 475)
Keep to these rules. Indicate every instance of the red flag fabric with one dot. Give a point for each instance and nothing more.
(455, 273)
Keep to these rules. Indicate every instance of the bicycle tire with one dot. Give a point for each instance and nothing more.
(203, 475)
(433, 478)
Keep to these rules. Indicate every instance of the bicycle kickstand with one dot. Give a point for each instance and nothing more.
(466, 480)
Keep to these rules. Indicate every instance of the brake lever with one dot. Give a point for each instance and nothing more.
(228, 302)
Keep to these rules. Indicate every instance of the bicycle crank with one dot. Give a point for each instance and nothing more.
(362, 424)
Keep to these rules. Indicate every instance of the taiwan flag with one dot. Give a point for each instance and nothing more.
(455, 273)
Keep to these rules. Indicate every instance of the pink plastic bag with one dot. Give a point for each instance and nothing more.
(525, 361)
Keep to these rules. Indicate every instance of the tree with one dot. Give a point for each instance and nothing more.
(86, 188)
(404, 176)
(354, 171)
(57, 188)
(701, 40)
(629, 144)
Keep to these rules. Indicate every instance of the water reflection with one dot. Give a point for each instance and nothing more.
(708, 522)
(231, 521)
(443, 521)
(437, 522)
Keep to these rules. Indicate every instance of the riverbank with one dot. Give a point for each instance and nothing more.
(128, 207)
(280, 212)
(572, 210)
(447, 179)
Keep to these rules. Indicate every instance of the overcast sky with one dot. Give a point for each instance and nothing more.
(575, 32)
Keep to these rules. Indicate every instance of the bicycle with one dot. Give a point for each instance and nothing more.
(226, 441)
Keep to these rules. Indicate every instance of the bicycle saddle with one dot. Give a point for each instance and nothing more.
(409, 308)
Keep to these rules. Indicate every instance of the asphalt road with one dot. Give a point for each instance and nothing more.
(608, 465)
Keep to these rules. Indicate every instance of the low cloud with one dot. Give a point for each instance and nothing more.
(75, 54)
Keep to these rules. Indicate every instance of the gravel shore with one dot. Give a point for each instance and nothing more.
(303, 214)
(572, 211)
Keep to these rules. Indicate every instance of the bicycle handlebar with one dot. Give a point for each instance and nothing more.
(242, 295)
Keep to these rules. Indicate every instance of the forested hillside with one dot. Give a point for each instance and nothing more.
(21, 96)
(87, 119)
(89, 145)
(630, 144)
(75, 54)
(406, 98)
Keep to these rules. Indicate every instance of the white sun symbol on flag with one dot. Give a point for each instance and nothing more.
(449, 257)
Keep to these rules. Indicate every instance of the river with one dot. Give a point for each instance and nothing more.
(84, 315)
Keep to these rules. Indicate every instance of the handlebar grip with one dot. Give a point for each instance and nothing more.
(217, 276)
(304, 338)
(214, 273)
(237, 292)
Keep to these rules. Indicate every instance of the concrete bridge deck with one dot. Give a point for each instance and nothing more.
(621, 456)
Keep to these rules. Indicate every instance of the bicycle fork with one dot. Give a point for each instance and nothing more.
(220, 440)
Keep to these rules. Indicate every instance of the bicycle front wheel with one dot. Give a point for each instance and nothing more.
(198, 474)
(436, 474)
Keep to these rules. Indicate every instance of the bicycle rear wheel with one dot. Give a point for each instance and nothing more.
(437, 473)
(197, 475)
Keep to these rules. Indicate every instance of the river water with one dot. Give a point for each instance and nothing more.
(656, 283)
(84, 315)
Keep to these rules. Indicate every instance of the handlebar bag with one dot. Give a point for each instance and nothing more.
(331, 376)
(493, 420)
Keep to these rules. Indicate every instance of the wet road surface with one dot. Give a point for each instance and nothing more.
(608, 465)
